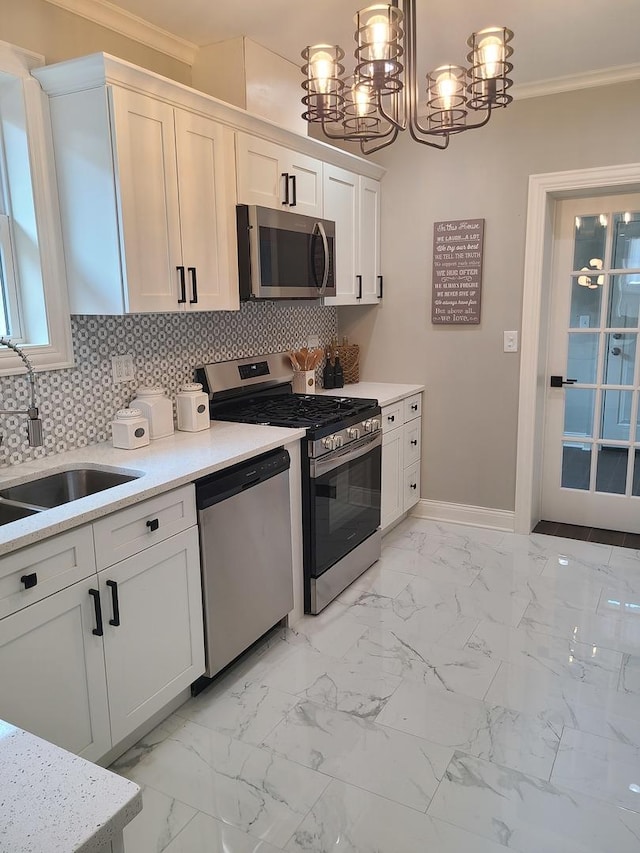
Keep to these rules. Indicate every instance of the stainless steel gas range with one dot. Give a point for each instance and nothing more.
(341, 464)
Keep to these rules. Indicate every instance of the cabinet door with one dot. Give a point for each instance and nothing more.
(411, 486)
(369, 240)
(52, 673)
(341, 205)
(412, 441)
(305, 196)
(392, 505)
(145, 155)
(264, 173)
(157, 649)
(206, 190)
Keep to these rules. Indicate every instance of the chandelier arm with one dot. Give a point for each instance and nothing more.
(443, 132)
(422, 141)
(400, 125)
(480, 123)
(356, 137)
(381, 145)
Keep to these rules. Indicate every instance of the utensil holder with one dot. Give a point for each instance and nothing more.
(304, 382)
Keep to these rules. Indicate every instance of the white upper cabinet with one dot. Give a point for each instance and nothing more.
(273, 176)
(147, 204)
(149, 172)
(353, 202)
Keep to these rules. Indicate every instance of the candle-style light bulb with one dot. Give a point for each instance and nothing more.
(320, 70)
(379, 36)
(446, 86)
(361, 99)
(491, 55)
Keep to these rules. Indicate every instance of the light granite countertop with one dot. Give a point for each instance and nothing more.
(384, 392)
(164, 464)
(55, 801)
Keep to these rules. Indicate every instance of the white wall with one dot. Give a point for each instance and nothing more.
(470, 420)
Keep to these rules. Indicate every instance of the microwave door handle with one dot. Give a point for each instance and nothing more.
(325, 246)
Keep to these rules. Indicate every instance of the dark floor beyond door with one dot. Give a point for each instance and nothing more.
(589, 534)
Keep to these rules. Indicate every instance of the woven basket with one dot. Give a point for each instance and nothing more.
(349, 355)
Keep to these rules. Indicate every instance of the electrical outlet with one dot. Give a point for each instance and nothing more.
(122, 368)
(510, 342)
(313, 341)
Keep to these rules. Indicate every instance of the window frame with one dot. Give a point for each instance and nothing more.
(16, 65)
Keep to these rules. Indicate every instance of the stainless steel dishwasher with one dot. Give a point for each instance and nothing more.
(244, 520)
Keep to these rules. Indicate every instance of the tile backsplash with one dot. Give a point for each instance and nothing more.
(78, 404)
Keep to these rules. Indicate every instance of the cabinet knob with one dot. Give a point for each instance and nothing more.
(414, 485)
(414, 407)
(414, 441)
(29, 580)
(153, 524)
(391, 418)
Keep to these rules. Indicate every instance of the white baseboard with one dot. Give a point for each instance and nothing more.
(473, 516)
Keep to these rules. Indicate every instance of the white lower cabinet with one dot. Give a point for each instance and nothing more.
(401, 454)
(90, 663)
(157, 647)
(52, 673)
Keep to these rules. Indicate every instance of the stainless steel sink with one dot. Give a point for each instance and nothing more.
(9, 513)
(64, 486)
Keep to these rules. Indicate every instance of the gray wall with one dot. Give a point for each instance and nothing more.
(470, 420)
(58, 35)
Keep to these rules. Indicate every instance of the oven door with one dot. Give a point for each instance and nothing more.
(343, 502)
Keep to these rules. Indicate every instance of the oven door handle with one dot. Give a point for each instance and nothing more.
(337, 458)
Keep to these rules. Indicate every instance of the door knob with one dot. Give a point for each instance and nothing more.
(558, 381)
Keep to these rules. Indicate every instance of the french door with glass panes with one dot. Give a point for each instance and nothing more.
(591, 470)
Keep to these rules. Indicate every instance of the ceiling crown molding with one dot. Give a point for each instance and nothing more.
(114, 18)
(586, 80)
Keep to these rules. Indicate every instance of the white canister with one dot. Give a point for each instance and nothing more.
(193, 408)
(157, 408)
(129, 429)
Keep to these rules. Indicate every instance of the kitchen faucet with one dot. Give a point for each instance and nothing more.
(34, 427)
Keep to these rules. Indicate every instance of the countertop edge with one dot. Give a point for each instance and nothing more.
(238, 443)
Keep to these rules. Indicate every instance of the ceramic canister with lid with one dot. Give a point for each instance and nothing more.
(129, 429)
(193, 408)
(157, 408)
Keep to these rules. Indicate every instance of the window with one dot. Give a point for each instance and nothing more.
(10, 326)
(33, 299)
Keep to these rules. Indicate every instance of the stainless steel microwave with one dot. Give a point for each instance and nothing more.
(284, 255)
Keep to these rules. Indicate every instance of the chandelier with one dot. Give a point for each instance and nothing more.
(382, 97)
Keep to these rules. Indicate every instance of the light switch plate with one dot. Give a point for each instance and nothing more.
(510, 341)
(122, 368)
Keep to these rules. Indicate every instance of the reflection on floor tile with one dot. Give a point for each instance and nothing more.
(205, 834)
(349, 820)
(528, 814)
(600, 767)
(476, 691)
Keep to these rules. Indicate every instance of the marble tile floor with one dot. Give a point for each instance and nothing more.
(473, 692)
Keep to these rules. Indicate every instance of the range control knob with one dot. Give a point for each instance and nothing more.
(329, 442)
(371, 426)
(353, 432)
(339, 441)
(375, 425)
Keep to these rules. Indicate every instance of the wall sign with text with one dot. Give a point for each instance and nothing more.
(457, 271)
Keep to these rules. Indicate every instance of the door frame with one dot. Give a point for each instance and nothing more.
(544, 190)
